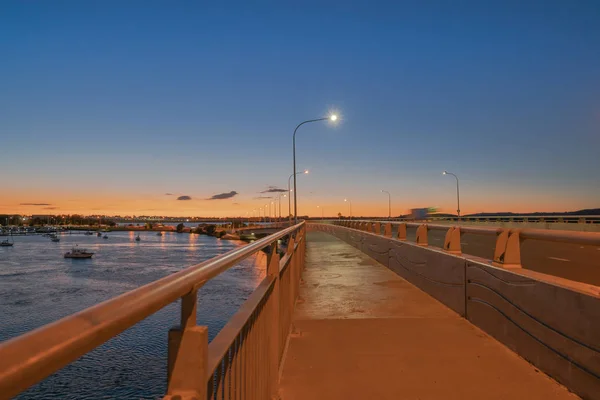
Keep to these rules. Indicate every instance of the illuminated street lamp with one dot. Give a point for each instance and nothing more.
(389, 202)
(322, 208)
(332, 118)
(290, 192)
(284, 195)
(350, 204)
(457, 192)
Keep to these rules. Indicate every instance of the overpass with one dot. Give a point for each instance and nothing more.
(357, 310)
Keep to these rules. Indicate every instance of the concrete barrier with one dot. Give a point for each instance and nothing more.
(552, 322)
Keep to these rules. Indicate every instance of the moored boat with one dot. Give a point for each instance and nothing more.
(76, 252)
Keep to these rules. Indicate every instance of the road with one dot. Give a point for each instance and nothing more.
(575, 262)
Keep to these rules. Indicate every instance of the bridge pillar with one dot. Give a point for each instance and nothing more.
(402, 232)
(387, 230)
(507, 253)
(422, 235)
(377, 228)
(452, 241)
(369, 227)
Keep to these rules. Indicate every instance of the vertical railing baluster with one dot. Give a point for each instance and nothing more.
(274, 321)
(188, 352)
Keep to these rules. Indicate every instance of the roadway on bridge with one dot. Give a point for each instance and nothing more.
(579, 263)
(362, 332)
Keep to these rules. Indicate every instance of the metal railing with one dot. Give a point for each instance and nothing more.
(507, 251)
(241, 362)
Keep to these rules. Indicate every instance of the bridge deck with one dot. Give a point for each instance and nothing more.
(361, 331)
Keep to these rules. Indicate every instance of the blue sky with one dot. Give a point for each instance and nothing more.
(106, 106)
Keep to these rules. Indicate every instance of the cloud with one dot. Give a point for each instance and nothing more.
(274, 189)
(184, 198)
(168, 194)
(262, 197)
(50, 208)
(36, 204)
(222, 196)
(235, 204)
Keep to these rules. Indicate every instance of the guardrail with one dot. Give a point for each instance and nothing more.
(566, 219)
(507, 251)
(283, 224)
(242, 361)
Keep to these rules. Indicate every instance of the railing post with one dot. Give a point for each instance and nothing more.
(387, 230)
(452, 241)
(422, 235)
(402, 232)
(187, 354)
(507, 253)
(377, 228)
(274, 323)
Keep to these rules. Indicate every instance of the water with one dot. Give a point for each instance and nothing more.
(38, 286)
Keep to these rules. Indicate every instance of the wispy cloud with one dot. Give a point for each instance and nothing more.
(222, 196)
(50, 208)
(235, 204)
(184, 198)
(273, 189)
(168, 194)
(36, 204)
(262, 197)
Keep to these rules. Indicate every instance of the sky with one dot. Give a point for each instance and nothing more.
(153, 108)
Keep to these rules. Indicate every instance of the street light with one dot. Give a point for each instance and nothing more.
(457, 193)
(331, 118)
(290, 191)
(321, 211)
(284, 195)
(350, 204)
(389, 202)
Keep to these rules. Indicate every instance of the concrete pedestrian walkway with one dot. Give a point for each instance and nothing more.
(362, 332)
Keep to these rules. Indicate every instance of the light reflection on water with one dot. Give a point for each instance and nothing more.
(38, 286)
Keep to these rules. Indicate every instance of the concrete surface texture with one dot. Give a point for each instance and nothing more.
(362, 332)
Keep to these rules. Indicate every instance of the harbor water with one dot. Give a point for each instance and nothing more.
(38, 286)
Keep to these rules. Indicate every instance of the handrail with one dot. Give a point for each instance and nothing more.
(31, 357)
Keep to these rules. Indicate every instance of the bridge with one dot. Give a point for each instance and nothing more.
(355, 309)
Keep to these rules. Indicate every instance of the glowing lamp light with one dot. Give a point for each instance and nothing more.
(445, 173)
(333, 117)
(306, 171)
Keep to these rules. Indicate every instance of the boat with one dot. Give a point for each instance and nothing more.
(159, 234)
(55, 239)
(105, 237)
(137, 238)
(76, 252)
(99, 234)
(5, 243)
(89, 233)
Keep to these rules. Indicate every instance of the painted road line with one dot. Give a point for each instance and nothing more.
(559, 259)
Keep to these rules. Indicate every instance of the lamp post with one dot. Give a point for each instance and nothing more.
(290, 193)
(284, 195)
(321, 212)
(332, 118)
(389, 202)
(350, 204)
(457, 193)
(267, 205)
(273, 212)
